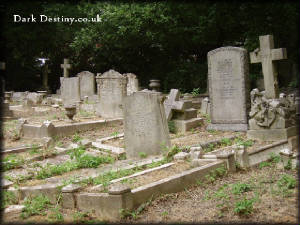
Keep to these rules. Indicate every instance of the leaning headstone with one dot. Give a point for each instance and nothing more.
(132, 83)
(70, 91)
(112, 90)
(228, 86)
(87, 83)
(205, 106)
(145, 124)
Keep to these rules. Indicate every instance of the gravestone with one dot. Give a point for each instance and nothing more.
(180, 112)
(272, 117)
(35, 98)
(132, 83)
(70, 91)
(205, 106)
(266, 55)
(112, 90)
(228, 88)
(145, 124)
(87, 83)
(46, 71)
(66, 66)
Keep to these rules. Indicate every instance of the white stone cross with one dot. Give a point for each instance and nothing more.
(266, 56)
(66, 66)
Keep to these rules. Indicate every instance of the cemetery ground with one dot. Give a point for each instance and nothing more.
(265, 193)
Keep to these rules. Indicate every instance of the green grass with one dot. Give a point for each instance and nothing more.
(12, 161)
(239, 188)
(142, 155)
(244, 206)
(35, 206)
(8, 198)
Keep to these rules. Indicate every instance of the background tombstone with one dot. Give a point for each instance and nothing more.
(2, 68)
(70, 91)
(87, 84)
(145, 123)
(112, 90)
(228, 70)
(66, 66)
(132, 83)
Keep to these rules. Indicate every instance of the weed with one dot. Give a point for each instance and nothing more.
(210, 147)
(288, 166)
(79, 216)
(35, 149)
(115, 134)
(76, 138)
(274, 158)
(164, 213)
(220, 194)
(264, 164)
(142, 155)
(55, 215)
(245, 143)
(12, 161)
(287, 181)
(244, 206)
(195, 92)
(8, 198)
(240, 188)
(212, 131)
(35, 206)
(226, 141)
(172, 127)
(84, 113)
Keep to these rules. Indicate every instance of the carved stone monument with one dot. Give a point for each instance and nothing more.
(228, 85)
(87, 84)
(145, 124)
(181, 112)
(112, 90)
(272, 118)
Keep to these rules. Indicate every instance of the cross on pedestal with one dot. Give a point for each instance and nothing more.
(66, 66)
(266, 56)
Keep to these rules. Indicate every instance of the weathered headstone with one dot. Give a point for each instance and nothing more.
(112, 90)
(145, 124)
(205, 106)
(132, 83)
(266, 56)
(228, 88)
(66, 66)
(87, 83)
(70, 91)
(35, 98)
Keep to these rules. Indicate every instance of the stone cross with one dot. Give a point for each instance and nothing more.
(173, 103)
(266, 56)
(66, 66)
(169, 102)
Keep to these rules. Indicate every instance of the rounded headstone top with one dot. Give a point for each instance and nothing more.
(112, 74)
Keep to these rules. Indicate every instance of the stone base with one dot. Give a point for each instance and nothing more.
(272, 134)
(185, 125)
(229, 126)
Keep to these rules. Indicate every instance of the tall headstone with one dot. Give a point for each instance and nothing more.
(112, 90)
(228, 71)
(145, 124)
(132, 83)
(87, 83)
(266, 55)
(70, 91)
(66, 66)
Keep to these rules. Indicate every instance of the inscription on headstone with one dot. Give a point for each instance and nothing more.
(112, 90)
(145, 124)
(228, 75)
